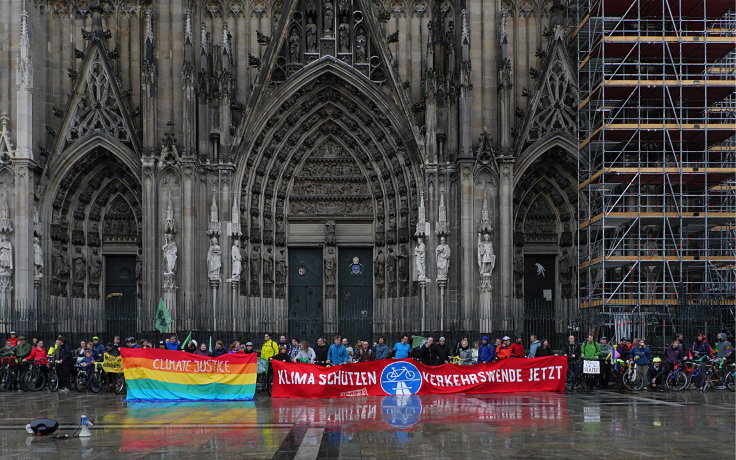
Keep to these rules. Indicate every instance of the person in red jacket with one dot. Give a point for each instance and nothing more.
(504, 351)
(13, 338)
(38, 353)
(517, 349)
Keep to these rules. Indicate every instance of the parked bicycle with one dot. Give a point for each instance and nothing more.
(632, 378)
(34, 378)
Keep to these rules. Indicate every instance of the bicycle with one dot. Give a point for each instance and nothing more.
(730, 380)
(34, 378)
(715, 375)
(572, 378)
(632, 378)
(81, 380)
(678, 378)
(52, 380)
(10, 374)
(396, 373)
(119, 384)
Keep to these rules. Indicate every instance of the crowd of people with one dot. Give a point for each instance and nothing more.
(425, 350)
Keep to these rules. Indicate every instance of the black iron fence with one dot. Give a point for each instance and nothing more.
(79, 319)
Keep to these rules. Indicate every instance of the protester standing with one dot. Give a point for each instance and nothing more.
(380, 351)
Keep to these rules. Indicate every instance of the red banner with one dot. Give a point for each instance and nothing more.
(407, 376)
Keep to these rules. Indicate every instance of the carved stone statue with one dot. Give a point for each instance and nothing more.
(420, 252)
(268, 266)
(95, 267)
(37, 258)
(330, 266)
(255, 263)
(565, 271)
(403, 265)
(443, 258)
(139, 267)
(281, 266)
(378, 267)
(344, 36)
(486, 257)
(360, 52)
(80, 267)
(311, 30)
(391, 272)
(236, 259)
(214, 260)
(328, 17)
(170, 254)
(294, 40)
(6, 255)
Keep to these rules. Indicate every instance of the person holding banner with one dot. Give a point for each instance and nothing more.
(401, 349)
(486, 351)
(337, 353)
(305, 353)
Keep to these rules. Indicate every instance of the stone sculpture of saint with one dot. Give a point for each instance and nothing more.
(328, 17)
(360, 48)
(236, 259)
(95, 267)
(170, 254)
(344, 36)
(214, 260)
(80, 268)
(6, 255)
(486, 257)
(311, 30)
(330, 266)
(37, 258)
(294, 40)
(420, 260)
(443, 258)
(280, 266)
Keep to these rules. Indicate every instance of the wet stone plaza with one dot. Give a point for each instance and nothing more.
(687, 424)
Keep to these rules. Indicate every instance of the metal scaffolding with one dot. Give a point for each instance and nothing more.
(657, 155)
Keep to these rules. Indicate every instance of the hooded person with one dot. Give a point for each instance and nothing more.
(486, 351)
(700, 347)
(724, 346)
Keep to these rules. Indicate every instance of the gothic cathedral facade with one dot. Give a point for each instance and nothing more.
(306, 167)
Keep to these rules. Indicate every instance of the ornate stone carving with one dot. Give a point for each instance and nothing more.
(566, 274)
(330, 271)
(485, 220)
(6, 145)
(421, 230)
(420, 263)
(170, 251)
(486, 256)
(281, 273)
(214, 260)
(519, 272)
(255, 271)
(330, 183)
(236, 260)
(442, 253)
(6, 254)
(37, 258)
(391, 272)
(442, 226)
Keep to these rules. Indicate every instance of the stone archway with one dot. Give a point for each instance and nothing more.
(95, 218)
(327, 121)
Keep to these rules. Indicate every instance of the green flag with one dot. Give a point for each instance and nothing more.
(187, 340)
(417, 341)
(163, 318)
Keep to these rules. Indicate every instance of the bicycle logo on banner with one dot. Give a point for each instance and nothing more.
(401, 378)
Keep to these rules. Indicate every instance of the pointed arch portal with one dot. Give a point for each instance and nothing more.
(333, 166)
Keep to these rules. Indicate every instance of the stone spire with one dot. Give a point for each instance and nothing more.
(170, 222)
(6, 224)
(422, 219)
(214, 228)
(442, 226)
(188, 35)
(485, 219)
(24, 70)
(6, 145)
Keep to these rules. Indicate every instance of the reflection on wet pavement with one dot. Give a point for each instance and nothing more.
(407, 426)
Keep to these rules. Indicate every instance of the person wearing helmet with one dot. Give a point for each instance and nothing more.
(486, 351)
(656, 375)
(504, 351)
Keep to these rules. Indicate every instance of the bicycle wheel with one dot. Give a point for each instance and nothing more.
(6, 380)
(730, 381)
(95, 382)
(34, 380)
(676, 381)
(633, 381)
(53, 381)
(119, 386)
(81, 381)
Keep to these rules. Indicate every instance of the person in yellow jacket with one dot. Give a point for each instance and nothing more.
(269, 348)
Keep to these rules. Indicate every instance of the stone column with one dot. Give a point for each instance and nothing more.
(151, 252)
(505, 236)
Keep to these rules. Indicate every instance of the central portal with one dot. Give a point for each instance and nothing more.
(355, 293)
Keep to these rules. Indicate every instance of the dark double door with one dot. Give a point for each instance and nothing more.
(120, 295)
(354, 293)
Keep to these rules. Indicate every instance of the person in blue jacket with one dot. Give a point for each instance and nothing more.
(337, 354)
(486, 352)
(642, 356)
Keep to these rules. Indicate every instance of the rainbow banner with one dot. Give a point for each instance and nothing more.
(165, 375)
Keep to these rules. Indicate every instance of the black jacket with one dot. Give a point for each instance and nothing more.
(443, 353)
(426, 355)
(320, 353)
(544, 352)
(571, 349)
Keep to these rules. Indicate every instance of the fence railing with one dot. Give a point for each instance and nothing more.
(79, 319)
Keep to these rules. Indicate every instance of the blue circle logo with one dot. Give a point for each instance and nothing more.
(401, 378)
(401, 410)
